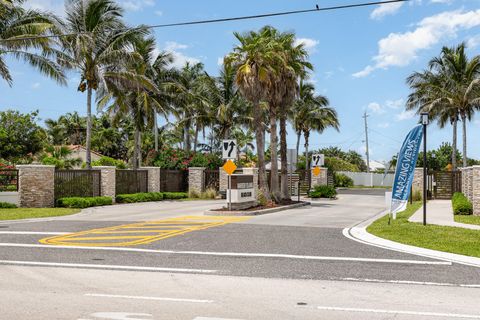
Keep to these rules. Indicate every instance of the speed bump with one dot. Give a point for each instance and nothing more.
(139, 233)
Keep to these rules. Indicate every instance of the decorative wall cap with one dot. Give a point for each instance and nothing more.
(104, 167)
(197, 168)
(149, 168)
(36, 166)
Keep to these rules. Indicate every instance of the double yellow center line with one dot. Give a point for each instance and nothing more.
(139, 233)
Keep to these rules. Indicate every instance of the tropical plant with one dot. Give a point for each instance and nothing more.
(24, 35)
(449, 91)
(60, 157)
(253, 60)
(97, 43)
(311, 113)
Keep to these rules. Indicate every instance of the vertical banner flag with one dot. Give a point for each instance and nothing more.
(407, 160)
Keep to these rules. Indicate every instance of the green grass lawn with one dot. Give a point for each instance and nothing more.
(29, 213)
(468, 219)
(448, 239)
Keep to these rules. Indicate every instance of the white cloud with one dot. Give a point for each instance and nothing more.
(405, 115)
(309, 44)
(159, 13)
(54, 6)
(473, 42)
(180, 58)
(376, 108)
(383, 125)
(394, 104)
(36, 85)
(385, 10)
(138, 5)
(328, 74)
(400, 49)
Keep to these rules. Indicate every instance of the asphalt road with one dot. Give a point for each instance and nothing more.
(238, 265)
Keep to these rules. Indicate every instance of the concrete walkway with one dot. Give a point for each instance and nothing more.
(440, 212)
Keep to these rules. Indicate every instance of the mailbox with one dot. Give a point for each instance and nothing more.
(242, 192)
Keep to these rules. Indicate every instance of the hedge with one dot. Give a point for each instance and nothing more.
(150, 196)
(6, 205)
(139, 197)
(343, 181)
(80, 203)
(461, 205)
(323, 192)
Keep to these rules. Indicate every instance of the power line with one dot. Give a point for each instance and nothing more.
(258, 16)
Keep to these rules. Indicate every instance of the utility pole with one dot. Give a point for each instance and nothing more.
(365, 116)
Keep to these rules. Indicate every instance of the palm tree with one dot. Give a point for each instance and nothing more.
(98, 42)
(136, 98)
(312, 114)
(21, 37)
(253, 61)
(189, 99)
(449, 91)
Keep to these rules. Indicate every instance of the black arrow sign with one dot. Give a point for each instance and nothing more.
(316, 159)
(232, 146)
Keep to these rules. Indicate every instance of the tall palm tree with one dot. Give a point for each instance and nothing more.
(449, 90)
(97, 44)
(136, 98)
(313, 114)
(21, 37)
(253, 60)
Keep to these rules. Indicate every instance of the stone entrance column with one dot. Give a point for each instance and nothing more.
(108, 180)
(153, 178)
(36, 186)
(196, 179)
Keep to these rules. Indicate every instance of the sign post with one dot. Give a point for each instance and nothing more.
(229, 153)
(292, 165)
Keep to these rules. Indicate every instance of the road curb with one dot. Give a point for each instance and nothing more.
(359, 233)
(256, 212)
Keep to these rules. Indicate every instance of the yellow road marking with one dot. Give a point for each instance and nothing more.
(151, 231)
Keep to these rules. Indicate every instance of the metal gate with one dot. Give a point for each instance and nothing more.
(446, 183)
(77, 183)
(212, 179)
(131, 181)
(173, 180)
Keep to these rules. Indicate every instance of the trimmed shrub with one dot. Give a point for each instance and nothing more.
(83, 202)
(323, 192)
(461, 205)
(174, 195)
(343, 181)
(6, 205)
(107, 161)
(139, 197)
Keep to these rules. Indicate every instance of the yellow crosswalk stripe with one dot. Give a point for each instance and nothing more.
(147, 232)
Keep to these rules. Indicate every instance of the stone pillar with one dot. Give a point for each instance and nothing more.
(476, 190)
(254, 172)
(417, 184)
(223, 176)
(321, 179)
(469, 183)
(108, 178)
(153, 178)
(196, 179)
(36, 186)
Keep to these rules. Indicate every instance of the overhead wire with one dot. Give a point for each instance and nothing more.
(198, 22)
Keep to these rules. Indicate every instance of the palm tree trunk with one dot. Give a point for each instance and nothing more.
(299, 135)
(274, 187)
(188, 143)
(306, 135)
(454, 145)
(464, 129)
(283, 158)
(195, 139)
(136, 137)
(155, 131)
(260, 140)
(88, 141)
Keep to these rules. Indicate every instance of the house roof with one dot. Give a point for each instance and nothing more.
(78, 147)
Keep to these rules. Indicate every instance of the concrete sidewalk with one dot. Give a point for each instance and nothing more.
(440, 212)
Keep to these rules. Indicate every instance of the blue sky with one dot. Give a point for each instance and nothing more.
(361, 58)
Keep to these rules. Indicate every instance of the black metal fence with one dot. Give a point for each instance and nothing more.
(173, 180)
(212, 179)
(77, 183)
(131, 181)
(8, 180)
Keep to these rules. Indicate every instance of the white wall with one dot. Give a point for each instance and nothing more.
(370, 179)
(10, 197)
